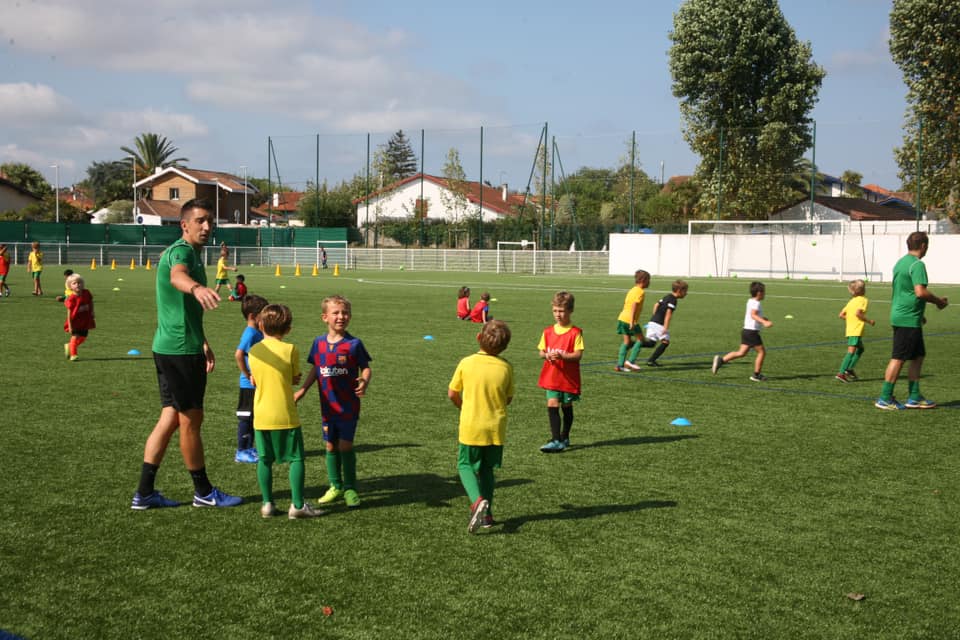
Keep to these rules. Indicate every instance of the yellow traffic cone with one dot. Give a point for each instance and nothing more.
(148, 264)
(132, 264)
(277, 273)
(113, 265)
(315, 272)
(297, 270)
(93, 264)
(336, 269)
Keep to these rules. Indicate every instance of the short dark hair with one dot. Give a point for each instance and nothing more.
(67, 272)
(196, 203)
(916, 240)
(494, 337)
(756, 287)
(252, 303)
(276, 319)
(240, 277)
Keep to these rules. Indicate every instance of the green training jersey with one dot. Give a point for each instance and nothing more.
(906, 309)
(179, 315)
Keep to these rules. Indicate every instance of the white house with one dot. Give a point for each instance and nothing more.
(431, 197)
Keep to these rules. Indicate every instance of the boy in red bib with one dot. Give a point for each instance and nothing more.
(561, 347)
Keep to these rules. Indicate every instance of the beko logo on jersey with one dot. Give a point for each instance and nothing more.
(331, 372)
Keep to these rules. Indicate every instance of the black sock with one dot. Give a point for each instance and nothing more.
(554, 414)
(201, 485)
(148, 474)
(567, 422)
(244, 434)
(649, 343)
(659, 351)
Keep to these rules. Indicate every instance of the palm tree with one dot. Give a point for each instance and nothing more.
(153, 151)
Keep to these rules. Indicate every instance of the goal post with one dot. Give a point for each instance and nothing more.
(337, 252)
(818, 249)
(510, 256)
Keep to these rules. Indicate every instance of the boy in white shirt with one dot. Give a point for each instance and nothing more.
(750, 338)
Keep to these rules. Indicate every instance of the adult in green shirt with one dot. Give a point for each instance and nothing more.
(183, 359)
(910, 298)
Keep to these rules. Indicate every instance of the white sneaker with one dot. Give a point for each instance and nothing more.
(306, 511)
(267, 510)
(631, 366)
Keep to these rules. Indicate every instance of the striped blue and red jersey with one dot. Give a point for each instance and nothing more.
(338, 366)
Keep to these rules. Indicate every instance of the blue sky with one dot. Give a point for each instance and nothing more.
(80, 78)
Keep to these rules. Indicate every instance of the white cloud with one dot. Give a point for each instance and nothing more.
(37, 159)
(873, 58)
(34, 102)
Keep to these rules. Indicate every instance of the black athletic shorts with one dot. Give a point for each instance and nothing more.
(245, 403)
(182, 380)
(751, 338)
(908, 343)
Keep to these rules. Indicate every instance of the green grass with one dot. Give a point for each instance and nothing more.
(755, 522)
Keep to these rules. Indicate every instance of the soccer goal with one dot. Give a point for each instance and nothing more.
(823, 249)
(337, 253)
(520, 256)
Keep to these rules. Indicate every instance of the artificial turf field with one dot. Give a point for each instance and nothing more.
(757, 521)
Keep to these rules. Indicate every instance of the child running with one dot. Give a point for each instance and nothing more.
(627, 324)
(750, 338)
(342, 365)
(855, 313)
(274, 369)
(35, 267)
(222, 268)
(481, 311)
(4, 270)
(482, 387)
(561, 348)
(246, 449)
(80, 316)
(658, 329)
(463, 303)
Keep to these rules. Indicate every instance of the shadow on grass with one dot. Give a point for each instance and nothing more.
(570, 512)
(364, 448)
(116, 359)
(633, 440)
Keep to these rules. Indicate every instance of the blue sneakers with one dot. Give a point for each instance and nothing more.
(216, 498)
(155, 500)
(554, 446)
(920, 403)
(888, 405)
(249, 456)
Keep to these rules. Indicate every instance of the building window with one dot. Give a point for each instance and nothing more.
(421, 207)
(174, 193)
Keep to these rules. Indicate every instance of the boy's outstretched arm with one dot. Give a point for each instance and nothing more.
(311, 378)
(455, 398)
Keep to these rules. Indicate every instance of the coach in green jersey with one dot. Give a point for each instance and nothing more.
(183, 358)
(907, 306)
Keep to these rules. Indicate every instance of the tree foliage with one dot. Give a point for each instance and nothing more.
(395, 160)
(108, 181)
(26, 177)
(326, 207)
(925, 44)
(741, 75)
(455, 198)
(153, 151)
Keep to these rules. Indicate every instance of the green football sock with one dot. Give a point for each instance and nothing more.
(622, 355)
(887, 391)
(349, 461)
(913, 386)
(635, 351)
(469, 481)
(296, 483)
(855, 357)
(333, 469)
(845, 365)
(265, 480)
(486, 482)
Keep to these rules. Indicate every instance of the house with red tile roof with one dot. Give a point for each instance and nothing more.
(280, 207)
(436, 198)
(169, 188)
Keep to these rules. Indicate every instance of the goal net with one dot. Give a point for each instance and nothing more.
(516, 257)
(824, 249)
(332, 252)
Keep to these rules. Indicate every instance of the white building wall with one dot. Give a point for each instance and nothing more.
(401, 203)
(757, 256)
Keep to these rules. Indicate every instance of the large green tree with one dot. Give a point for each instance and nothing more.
(395, 160)
(925, 44)
(329, 207)
(109, 181)
(152, 152)
(26, 177)
(746, 86)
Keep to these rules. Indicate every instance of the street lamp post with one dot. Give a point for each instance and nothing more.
(245, 189)
(57, 190)
(133, 161)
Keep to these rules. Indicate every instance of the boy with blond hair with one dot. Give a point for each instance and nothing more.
(561, 349)
(274, 369)
(855, 313)
(222, 268)
(35, 267)
(482, 387)
(627, 326)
